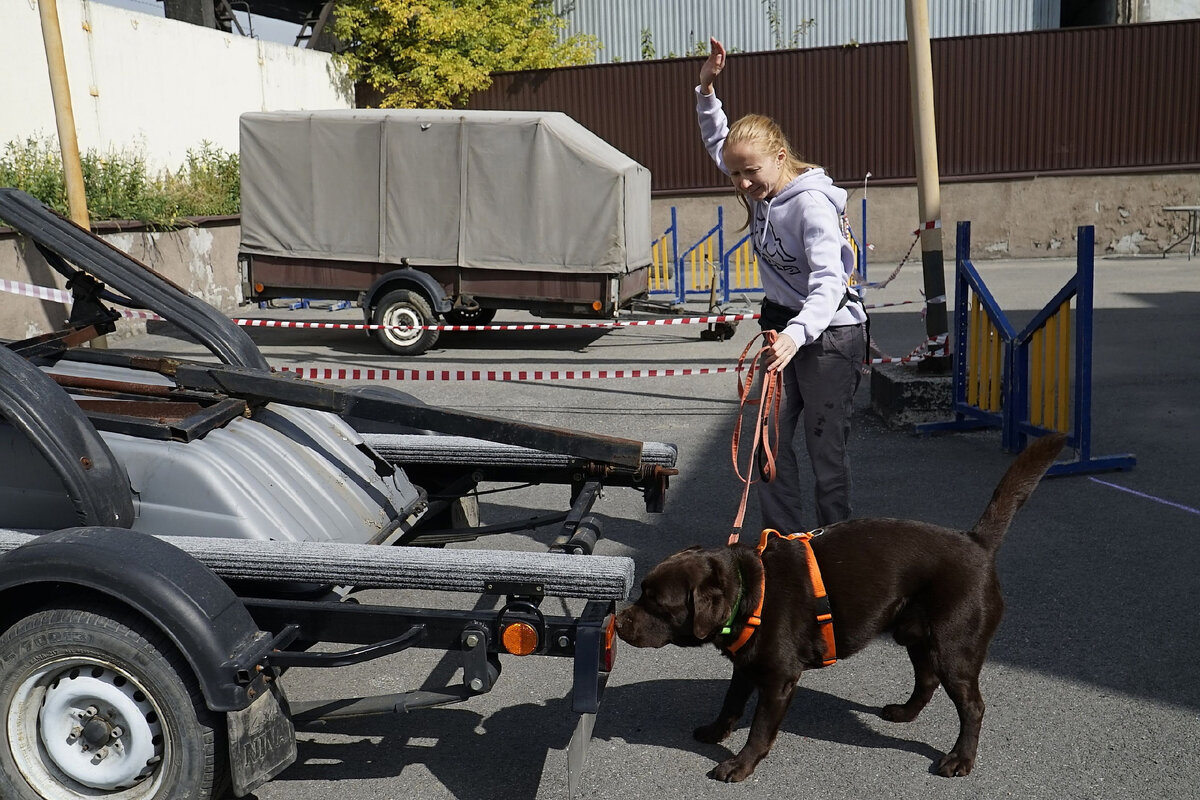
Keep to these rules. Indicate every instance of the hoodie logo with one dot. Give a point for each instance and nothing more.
(768, 246)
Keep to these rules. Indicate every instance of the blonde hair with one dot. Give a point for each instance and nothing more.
(765, 134)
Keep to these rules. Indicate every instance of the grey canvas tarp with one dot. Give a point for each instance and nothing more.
(499, 189)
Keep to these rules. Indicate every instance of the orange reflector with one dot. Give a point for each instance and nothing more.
(258, 287)
(597, 305)
(609, 656)
(520, 638)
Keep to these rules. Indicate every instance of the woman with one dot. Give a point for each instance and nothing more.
(805, 262)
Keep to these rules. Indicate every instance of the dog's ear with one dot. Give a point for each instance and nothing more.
(710, 602)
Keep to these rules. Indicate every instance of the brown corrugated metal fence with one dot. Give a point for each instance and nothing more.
(1077, 100)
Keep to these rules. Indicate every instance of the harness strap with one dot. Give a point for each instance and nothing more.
(767, 429)
(824, 609)
(753, 621)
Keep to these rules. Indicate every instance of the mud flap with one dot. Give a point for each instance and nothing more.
(262, 741)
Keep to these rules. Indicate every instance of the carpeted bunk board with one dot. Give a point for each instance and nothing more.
(409, 448)
(381, 567)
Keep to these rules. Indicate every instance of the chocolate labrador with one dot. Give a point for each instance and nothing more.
(933, 588)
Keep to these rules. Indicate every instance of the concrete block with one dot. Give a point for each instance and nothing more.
(902, 396)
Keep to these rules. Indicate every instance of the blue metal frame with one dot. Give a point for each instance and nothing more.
(1013, 419)
(967, 280)
(673, 230)
(718, 268)
(1081, 285)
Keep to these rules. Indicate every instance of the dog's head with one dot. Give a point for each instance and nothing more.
(684, 600)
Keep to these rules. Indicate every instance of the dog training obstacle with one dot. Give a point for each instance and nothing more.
(1033, 381)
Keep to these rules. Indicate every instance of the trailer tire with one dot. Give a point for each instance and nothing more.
(82, 679)
(408, 308)
(478, 316)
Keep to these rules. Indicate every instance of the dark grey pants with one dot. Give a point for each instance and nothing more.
(819, 385)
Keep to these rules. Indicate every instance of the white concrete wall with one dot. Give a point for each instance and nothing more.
(1164, 10)
(158, 85)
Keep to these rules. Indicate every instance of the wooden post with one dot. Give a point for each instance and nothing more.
(64, 117)
(929, 194)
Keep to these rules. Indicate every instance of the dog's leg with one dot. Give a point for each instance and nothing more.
(925, 684)
(964, 691)
(774, 697)
(736, 697)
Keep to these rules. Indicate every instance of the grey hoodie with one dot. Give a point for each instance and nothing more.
(804, 260)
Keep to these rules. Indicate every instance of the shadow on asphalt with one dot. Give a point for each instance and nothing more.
(513, 743)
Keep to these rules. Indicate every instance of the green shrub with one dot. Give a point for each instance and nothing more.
(119, 185)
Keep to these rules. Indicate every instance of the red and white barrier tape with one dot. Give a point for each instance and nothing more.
(930, 348)
(64, 297)
(61, 296)
(361, 326)
(526, 375)
(40, 292)
(371, 374)
(934, 347)
(927, 226)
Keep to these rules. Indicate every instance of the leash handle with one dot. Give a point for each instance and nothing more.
(769, 401)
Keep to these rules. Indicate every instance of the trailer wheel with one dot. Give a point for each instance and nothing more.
(408, 309)
(480, 316)
(98, 704)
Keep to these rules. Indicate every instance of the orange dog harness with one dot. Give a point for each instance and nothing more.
(824, 610)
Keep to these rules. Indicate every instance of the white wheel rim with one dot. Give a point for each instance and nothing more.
(408, 318)
(82, 728)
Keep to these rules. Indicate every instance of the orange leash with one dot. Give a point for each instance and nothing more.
(766, 432)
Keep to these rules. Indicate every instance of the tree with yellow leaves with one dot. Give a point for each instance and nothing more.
(436, 53)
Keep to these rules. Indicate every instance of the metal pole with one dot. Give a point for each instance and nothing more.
(862, 267)
(929, 196)
(64, 117)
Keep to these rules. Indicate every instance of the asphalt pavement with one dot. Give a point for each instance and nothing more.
(1091, 680)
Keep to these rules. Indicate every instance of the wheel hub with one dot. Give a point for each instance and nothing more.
(404, 325)
(97, 732)
(99, 729)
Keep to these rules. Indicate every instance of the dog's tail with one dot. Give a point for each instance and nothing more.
(1014, 489)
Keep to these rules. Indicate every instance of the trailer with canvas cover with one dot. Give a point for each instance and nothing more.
(425, 214)
(176, 534)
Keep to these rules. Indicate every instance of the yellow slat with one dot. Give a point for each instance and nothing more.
(1064, 368)
(973, 354)
(1037, 357)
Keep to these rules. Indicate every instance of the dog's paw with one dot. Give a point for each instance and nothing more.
(954, 765)
(897, 712)
(712, 733)
(731, 771)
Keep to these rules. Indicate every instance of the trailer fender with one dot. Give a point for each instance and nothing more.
(406, 278)
(183, 598)
(95, 481)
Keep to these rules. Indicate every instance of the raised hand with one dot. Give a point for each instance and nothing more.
(712, 65)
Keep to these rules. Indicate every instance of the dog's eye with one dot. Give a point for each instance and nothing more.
(651, 601)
